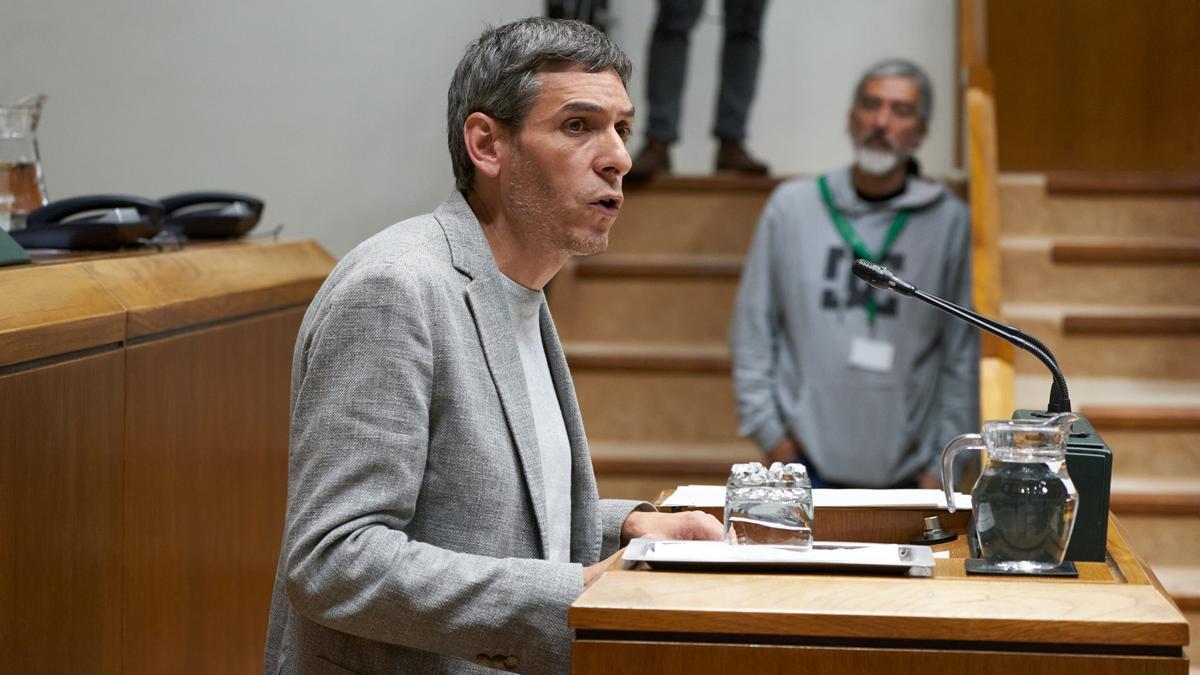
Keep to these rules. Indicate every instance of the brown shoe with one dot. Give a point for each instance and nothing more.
(653, 159)
(733, 157)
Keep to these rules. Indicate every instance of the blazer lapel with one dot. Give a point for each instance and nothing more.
(585, 521)
(471, 255)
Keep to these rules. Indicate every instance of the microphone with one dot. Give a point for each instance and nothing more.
(882, 278)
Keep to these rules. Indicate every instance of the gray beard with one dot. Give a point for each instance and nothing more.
(876, 162)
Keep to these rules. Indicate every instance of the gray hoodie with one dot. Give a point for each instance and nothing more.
(799, 309)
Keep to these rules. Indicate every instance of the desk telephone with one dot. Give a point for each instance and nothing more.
(107, 222)
(92, 222)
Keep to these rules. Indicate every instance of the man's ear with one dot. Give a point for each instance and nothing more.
(487, 141)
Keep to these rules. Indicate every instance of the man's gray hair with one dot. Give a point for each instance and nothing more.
(498, 75)
(901, 68)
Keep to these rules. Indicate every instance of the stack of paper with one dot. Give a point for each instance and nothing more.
(713, 496)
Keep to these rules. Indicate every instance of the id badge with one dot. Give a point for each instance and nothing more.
(875, 355)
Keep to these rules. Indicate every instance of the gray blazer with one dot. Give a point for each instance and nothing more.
(415, 539)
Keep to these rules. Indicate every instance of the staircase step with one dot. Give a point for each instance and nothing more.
(710, 460)
(641, 470)
(639, 300)
(705, 215)
(1158, 403)
(1027, 209)
(1125, 322)
(1164, 540)
(708, 183)
(1164, 183)
(683, 405)
(1144, 418)
(1182, 583)
(1175, 251)
(1091, 340)
(1030, 275)
(652, 392)
(660, 266)
(647, 358)
(1155, 497)
(1153, 454)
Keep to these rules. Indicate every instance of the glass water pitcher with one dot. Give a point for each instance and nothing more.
(22, 188)
(1024, 500)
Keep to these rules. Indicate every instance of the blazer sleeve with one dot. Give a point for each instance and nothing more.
(360, 424)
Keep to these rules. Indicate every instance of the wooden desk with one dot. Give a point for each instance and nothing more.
(1114, 618)
(143, 454)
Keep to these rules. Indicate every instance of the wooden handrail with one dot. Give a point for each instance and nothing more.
(979, 116)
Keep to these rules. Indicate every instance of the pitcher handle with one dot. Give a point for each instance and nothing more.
(964, 442)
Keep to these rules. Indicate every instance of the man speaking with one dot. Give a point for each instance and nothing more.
(442, 511)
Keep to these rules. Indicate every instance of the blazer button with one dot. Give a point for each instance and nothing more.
(511, 663)
(483, 660)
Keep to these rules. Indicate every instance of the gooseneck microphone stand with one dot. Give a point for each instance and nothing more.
(882, 278)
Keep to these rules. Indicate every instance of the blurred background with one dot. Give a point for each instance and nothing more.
(334, 114)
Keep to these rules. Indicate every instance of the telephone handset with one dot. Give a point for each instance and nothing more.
(212, 215)
(91, 222)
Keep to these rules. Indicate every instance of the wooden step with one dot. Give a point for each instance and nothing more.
(640, 470)
(1030, 275)
(1182, 583)
(660, 266)
(1145, 418)
(660, 308)
(1153, 454)
(1176, 496)
(647, 358)
(1173, 322)
(1126, 183)
(1156, 439)
(1164, 540)
(679, 402)
(1094, 350)
(1083, 251)
(1027, 209)
(704, 215)
(1157, 404)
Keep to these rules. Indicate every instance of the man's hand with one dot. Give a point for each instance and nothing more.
(929, 481)
(786, 450)
(683, 525)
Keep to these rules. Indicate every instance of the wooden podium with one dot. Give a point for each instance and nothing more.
(1114, 618)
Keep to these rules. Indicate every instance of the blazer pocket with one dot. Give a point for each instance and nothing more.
(326, 667)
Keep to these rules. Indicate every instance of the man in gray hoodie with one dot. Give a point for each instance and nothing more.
(862, 386)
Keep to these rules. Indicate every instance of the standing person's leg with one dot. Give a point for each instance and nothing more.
(665, 73)
(740, 56)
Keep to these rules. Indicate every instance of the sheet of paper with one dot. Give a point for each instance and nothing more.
(717, 551)
(713, 496)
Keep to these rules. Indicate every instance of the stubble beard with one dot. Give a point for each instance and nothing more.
(545, 217)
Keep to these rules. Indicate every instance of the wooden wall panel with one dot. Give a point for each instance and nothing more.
(206, 482)
(1096, 84)
(61, 437)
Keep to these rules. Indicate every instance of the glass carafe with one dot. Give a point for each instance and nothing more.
(21, 186)
(1024, 500)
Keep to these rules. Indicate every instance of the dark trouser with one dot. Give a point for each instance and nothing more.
(819, 482)
(740, 54)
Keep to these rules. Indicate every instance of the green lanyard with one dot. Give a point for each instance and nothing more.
(856, 243)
